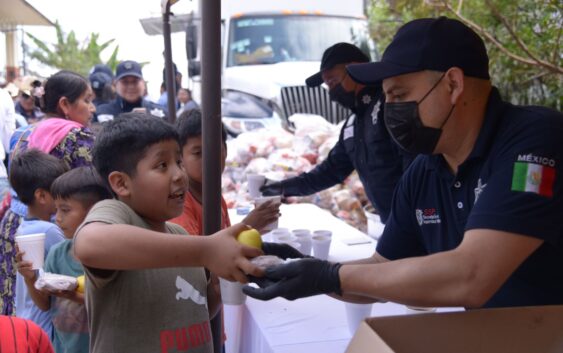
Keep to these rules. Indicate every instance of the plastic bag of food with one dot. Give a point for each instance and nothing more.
(55, 282)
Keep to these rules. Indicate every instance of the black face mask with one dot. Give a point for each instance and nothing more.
(343, 97)
(405, 126)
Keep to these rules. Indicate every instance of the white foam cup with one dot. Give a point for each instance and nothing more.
(323, 232)
(413, 310)
(254, 182)
(303, 237)
(280, 234)
(34, 247)
(355, 314)
(321, 246)
(231, 292)
(260, 200)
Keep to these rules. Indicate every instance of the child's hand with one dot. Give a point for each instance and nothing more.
(25, 268)
(228, 258)
(69, 294)
(262, 215)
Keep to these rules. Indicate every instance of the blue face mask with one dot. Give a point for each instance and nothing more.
(405, 126)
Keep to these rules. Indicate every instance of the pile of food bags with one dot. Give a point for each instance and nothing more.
(279, 154)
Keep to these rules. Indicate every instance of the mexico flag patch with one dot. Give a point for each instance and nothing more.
(531, 177)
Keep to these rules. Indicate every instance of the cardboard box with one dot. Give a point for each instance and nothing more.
(537, 329)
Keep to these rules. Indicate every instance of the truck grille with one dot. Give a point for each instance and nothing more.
(311, 100)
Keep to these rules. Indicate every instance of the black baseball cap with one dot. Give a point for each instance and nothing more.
(98, 80)
(339, 53)
(427, 44)
(101, 68)
(128, 68)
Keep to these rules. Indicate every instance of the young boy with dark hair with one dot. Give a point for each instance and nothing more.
(189, 129)
(75, 192)
(188, 126)
(147, 290)
(31, 175)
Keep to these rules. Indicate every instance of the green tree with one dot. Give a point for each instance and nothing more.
(70, 54)
(523, 39)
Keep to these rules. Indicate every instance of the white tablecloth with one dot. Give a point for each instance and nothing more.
(314, 324)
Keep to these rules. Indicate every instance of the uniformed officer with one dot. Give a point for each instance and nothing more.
(364, 143)
(476, 219)
(130, 88)
(101, 79)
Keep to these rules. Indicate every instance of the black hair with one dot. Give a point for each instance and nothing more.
(83, 184)
(188, 125)
(123, 142)
(31, 170)
(62, 84)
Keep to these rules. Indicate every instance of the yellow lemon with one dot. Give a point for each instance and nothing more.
(250, 237)
(80, 282)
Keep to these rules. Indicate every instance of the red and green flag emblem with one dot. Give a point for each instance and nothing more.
(531, 177)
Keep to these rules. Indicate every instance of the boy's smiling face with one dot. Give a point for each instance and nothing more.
(156, 191)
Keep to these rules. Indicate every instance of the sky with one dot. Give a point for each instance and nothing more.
(119, 20)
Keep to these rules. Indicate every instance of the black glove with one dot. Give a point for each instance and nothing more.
(297, 279)
(283, 251)
(271, 188)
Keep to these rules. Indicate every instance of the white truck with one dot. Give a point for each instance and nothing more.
(269, 48)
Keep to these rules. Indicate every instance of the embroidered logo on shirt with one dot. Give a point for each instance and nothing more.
(535, 178)
(375, 112)
(479, 189)
(366, 99)
(187, 291)
(427, 216)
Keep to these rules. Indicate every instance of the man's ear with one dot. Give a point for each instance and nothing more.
(120, 183)
(455, 81)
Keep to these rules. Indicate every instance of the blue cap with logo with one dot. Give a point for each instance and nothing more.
(427, 44)
(128, 68)
(100, 75)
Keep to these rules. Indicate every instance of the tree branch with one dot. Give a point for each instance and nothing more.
(551, 67)
(521, 44)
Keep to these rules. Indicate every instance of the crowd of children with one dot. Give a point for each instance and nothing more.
(146, 288)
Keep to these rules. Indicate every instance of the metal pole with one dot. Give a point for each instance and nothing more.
(211, 129)
(170, 74)
(211, 111)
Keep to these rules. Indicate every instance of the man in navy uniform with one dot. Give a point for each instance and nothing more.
(130, 88)
(364, 144)
(476, 219)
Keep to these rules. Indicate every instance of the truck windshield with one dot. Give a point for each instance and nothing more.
(256, 40)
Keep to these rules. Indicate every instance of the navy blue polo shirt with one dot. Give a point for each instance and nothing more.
(512, 181)
(109, 111)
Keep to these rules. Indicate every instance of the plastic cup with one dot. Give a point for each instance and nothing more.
(281, 234)
(303, 237)
(34, 247)
(321, 246)
(255, 181)
(414, 310)
(260, 200)
(323, 232)
(355, 314)
(231, 292)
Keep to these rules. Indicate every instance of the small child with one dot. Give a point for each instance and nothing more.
(31, 175)
(188, 126)
(146, 288)
(75, 193)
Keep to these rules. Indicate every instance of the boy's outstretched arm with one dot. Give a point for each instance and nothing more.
(125, 247)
